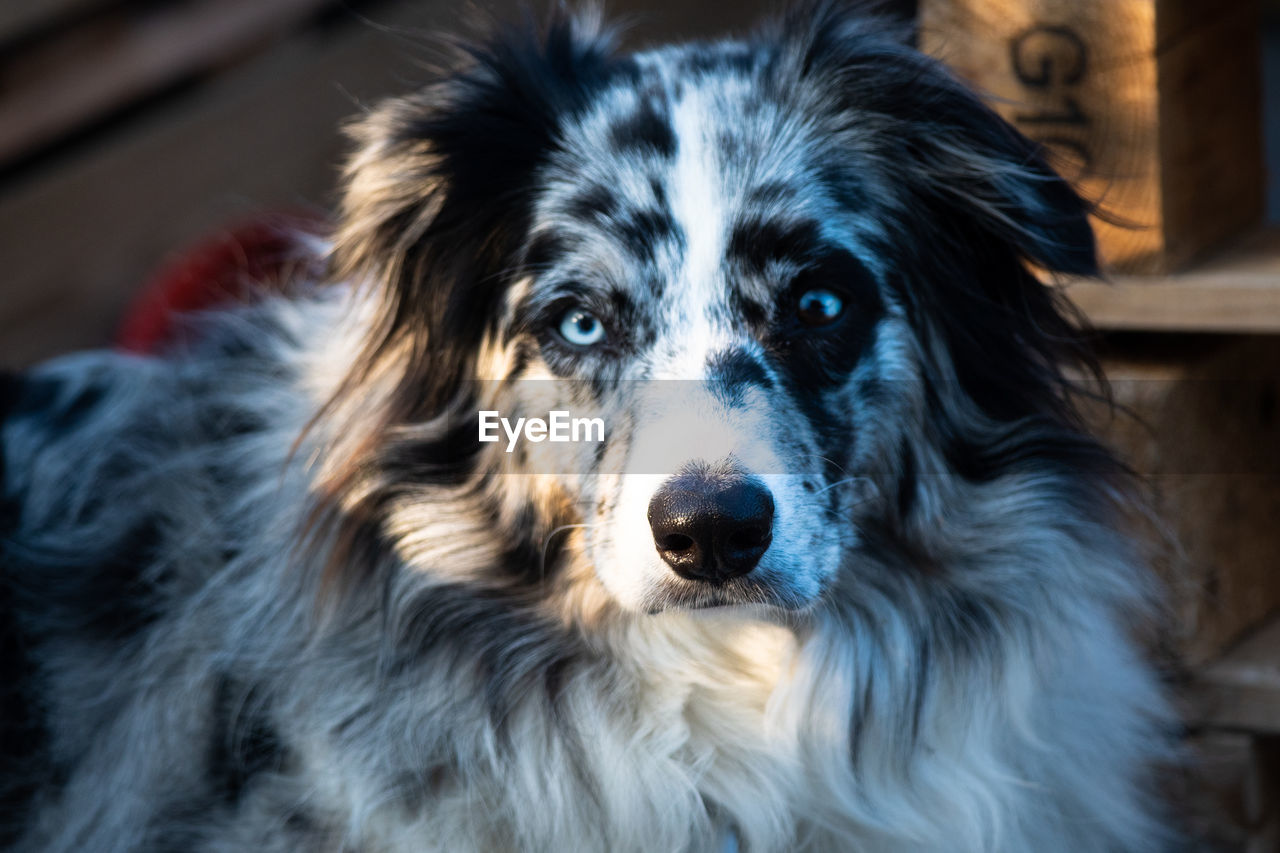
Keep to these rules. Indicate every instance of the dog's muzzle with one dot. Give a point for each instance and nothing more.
(712, 525)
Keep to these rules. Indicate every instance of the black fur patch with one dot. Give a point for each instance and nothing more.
(107, 592)
(908, 482)
(105, 595)
(25, 763)
(497, 631)
(732, 372)
(820, 357)
(771, 192)
(595, 202)
(659, 191)
(752, 311)
(543, 252)
(846, 188)
(627, 314)
(52, 402)
(641, 231)
(646, 131)
(756, 243)
(243, 743)
(447, 459)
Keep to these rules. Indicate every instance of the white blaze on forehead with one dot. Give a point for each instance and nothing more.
(697, 194)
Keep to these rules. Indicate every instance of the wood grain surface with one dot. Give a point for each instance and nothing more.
(1151, 106)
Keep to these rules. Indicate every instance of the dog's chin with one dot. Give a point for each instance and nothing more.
(745, 593)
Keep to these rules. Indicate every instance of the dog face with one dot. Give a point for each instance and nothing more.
(789, 275)
(738, 318)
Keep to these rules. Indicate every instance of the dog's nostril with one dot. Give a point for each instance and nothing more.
(712, 526)
(675, 542)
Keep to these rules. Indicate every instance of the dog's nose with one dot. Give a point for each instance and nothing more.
(711, 526)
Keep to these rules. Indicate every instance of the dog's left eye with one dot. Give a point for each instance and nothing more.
(581, 328)
(819, 307)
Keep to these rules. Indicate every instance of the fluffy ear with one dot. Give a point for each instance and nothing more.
(437, 202)
(989, 211)
(970, 161)
(438, 192)
(959, 153)
(969, 204)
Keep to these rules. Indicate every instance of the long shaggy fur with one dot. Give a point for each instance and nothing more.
(269, 593)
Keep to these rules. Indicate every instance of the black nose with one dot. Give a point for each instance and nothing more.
(712, 526)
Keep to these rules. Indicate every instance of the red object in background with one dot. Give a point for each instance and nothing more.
(261, 254)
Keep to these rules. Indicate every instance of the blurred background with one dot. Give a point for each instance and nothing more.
(131, 128)
(134, 134)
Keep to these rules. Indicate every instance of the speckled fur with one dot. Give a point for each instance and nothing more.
(267, 593)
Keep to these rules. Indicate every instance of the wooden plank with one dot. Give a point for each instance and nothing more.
(1171, 306)
(1209, 788)
(1213, 169)
(1237, 290)
(1151, 106)
(1241, 690)
(80, 240)
(57, 87)
(1198, 420)
(1226, 790)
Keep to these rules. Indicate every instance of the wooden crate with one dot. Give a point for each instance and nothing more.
(1233, 706)
(1152, 106)
(1199, 420)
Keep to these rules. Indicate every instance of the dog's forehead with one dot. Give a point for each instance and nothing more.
(677, 173)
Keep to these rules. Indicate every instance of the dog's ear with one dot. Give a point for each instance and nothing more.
(958, 153)
(972, 164)
(968, 206)
(438, 192)
(438, 197)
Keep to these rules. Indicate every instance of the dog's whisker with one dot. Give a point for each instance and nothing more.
(843, 482)
(833, 463)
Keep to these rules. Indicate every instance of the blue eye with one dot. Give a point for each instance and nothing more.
(581, 328)
(819, 307)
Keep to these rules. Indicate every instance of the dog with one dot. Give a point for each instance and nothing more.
(840, 569)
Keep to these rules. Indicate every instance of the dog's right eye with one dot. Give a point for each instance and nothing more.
(819, 307)
(581, 328)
